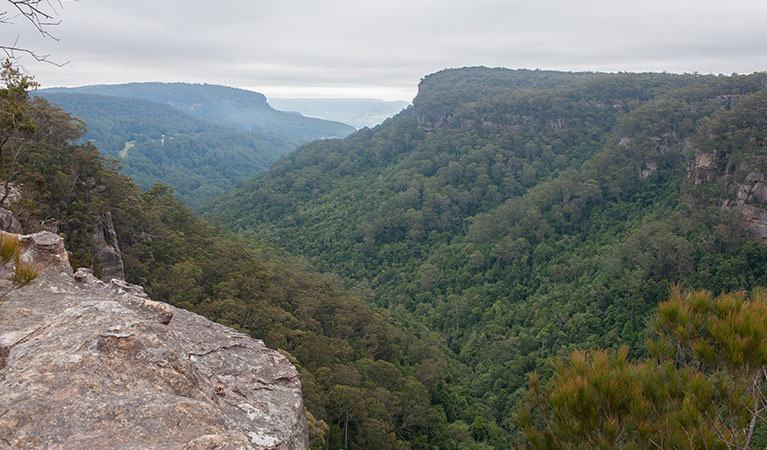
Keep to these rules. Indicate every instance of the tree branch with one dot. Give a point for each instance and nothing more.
(42, 15)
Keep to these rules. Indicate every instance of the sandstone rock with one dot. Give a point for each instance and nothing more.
(745, 185)
(8, 222)
(756, 219)
(45, 251)
(86, 364)
(107, 257)
(648, 169)
(705, 167)
(14, 193)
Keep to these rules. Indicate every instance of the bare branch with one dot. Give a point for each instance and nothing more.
(42, 14)
(34, 13)
(12, 53)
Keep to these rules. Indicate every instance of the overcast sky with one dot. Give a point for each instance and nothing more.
(344, 48)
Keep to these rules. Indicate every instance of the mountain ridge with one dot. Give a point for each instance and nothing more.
(236, 107)
(156, 143)
(514, 215)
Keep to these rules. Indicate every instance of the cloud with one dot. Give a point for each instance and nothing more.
(387, 47)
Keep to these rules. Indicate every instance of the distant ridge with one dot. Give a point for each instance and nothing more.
(157, 143)
(357, 112)
(239, 108)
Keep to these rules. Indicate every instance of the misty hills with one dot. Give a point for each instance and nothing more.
(239, 108)
(156, 143)
(199, 139)
(357, 112)
(511, 216)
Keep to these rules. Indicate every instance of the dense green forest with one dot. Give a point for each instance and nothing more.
(157, 143)
(513, 216)
(505, 221)
(349, 357)
(240, 108)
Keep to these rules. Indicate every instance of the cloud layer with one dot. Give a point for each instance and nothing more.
(382, 49)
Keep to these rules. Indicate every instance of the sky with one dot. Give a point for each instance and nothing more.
(381, 49)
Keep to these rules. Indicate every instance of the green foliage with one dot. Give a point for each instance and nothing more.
(9, 244)
(704, 388)
(509, 217)
(234, 107)
(506, 219)
(338, 343)
(15, 123)
(155, 142)
(23, 272)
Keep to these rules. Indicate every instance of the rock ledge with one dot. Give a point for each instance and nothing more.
(86, 364)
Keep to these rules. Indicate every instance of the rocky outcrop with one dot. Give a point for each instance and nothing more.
(747, 193)
(86, 364)
(706, 167)
(744, 184)
(8, 222)
(107, 257)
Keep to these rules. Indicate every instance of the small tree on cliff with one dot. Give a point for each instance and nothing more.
(15, 124)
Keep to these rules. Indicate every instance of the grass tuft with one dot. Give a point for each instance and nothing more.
(23, 273)
(9, 246)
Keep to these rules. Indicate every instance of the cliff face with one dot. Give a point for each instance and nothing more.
(88, 364)
(744, 185)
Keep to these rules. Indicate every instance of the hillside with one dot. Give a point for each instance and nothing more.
(512, 216)
(156, 143)
(331, 336)
(357, 112)
(239, 108)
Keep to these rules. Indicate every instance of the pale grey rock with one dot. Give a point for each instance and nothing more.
(14, 193)
(86, 364)
(107, 257)
(648, 169)
(8, 222)
(755, 218)
(745, 186)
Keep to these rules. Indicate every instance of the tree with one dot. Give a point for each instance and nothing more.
(704, 387)
(15, 123)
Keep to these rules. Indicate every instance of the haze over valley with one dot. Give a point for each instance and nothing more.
(416, 225)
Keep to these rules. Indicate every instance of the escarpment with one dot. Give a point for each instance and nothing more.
(86, 364)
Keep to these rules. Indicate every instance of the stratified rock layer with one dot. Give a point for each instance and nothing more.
(86, 364)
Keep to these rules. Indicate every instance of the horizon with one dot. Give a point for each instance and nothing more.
(347, 94)
(344, 49)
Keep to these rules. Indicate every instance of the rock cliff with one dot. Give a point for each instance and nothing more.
(107, 257)
(744, 185)
(86, 364)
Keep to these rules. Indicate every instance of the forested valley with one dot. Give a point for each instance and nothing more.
(448, 278)
(200, 139)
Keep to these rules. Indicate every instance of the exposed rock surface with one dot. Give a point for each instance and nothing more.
(744, 184)
(8, 222)
(86, 364)
(107, 257)
(706, 167)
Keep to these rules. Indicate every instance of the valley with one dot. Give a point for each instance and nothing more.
(199, 139)
(424, 276)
